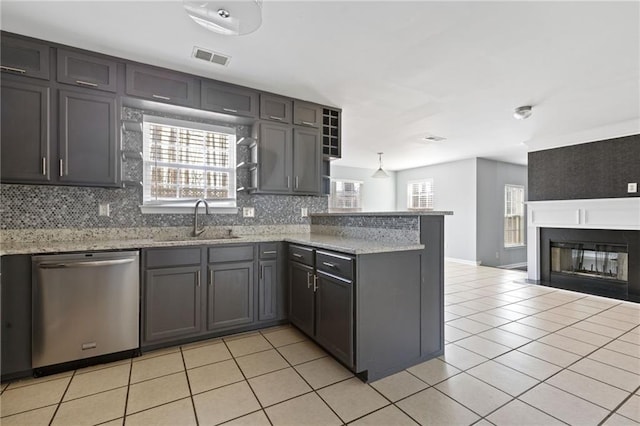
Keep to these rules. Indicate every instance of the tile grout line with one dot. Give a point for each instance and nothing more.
(186, 373)
(66, 389)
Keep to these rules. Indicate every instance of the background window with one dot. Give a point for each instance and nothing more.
(184, 161)
(346, 195)
(513, 215)
(420, 195)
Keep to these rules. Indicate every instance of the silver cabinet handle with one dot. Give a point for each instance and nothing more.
(85, 264)
(297, 255)
(287, 181)
(86, 83)
(315, 283)
(61, 168)
(210, 277)
(297, 182)
(44, 166)
(164, 98)
(270, 252)
(229, 110)
(308, 279)
(197, 278)
(308, 123)
(330, 265)
(12, 69)
(273, 117)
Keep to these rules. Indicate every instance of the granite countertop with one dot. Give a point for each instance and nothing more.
(329, 242)
(392, 213)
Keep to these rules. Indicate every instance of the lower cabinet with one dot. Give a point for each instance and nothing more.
(230, 295)
(321, 286)
(268, 290)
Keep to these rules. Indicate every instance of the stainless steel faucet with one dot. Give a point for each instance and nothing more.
(197, 231)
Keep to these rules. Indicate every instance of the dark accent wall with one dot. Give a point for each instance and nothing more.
(591, 170)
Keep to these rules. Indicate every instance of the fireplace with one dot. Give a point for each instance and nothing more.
(595, 261)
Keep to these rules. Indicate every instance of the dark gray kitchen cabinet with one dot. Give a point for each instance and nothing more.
(26, 132)
(228, 99)
(172, 303)
(84, 70)
(230, 295)
(162, 85)
(307, 114)
(302, 299)
(275, 108)
(24, 57)
(268, 290)
(15, 286)
(274, 158)
(87, 143)
(307, 160)
(334, 316)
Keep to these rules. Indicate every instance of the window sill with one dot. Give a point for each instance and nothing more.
(185, 209)
(515, 246)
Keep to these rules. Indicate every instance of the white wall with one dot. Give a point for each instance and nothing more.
(455, 190)
(492, 177)
(378, 195)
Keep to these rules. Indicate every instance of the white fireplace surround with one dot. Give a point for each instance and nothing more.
(600, 213)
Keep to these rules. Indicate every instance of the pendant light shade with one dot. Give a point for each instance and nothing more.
(226, 17)
(380, 173)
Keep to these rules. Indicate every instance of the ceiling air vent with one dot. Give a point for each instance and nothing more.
(209, 56)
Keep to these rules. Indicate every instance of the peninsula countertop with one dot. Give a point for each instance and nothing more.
(330, 242)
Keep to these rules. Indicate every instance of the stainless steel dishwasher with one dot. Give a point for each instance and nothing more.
(84, 305)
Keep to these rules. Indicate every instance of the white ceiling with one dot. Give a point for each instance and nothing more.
(399, 70)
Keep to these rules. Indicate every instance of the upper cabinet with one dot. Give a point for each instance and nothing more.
(162, 85)
(228, 99)
(28, 58)
(275, 108)
(307, 114)
(331, 144)
(86, 70)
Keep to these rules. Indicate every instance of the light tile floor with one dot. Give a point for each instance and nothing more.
(515, 354)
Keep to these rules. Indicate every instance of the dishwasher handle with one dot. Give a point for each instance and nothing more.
(85, 264)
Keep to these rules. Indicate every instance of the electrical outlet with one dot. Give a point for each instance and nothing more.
(248, 212)
(632, 187)
(304, 212)
(103, 209)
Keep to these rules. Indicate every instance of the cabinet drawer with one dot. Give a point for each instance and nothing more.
(301, 254)
(161, 85)
(268, 250)
(275, 108)
(335, 264)
(230, 253)
(86, 71)
(229, 99)
(24, 57)
(160, 258)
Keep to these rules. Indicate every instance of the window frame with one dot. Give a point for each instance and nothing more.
(186, 205)
(332, 196)
(507, 208)
(410, 194)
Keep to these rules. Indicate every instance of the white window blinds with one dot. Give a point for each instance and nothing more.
(420, 195)
(185, 161)
(345, 195)
(513, 215)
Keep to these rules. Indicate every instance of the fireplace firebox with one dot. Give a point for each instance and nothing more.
(594, 261)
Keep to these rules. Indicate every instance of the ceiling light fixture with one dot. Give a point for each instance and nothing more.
(230, 18)
(433, 138)
(522, 112)
(380, 173)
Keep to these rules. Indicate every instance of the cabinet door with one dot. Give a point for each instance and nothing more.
(301, 311)
(268, 290)
(230, 295)
(86, 70)
(307, 160)
(274, 158)
(307, 114)
(24, 57)
(334, 316)
(87, 143)
(25, 143)
(275, 108)
(229, 99)
(161, 85)
(171, 303)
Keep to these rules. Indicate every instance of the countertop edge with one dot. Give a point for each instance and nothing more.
(400, 213)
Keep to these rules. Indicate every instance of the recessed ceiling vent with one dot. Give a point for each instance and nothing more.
(433, 138)
(210, 56)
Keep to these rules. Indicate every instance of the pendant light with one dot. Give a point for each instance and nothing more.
(228, 18)
(380, 173)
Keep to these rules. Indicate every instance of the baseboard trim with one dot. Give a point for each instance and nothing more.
(463, 261)
(513, 265)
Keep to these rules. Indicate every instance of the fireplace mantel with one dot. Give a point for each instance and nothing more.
(601, 213)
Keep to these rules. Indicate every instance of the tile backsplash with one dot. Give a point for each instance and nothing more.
(46, 206)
